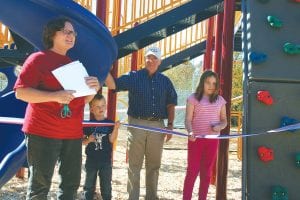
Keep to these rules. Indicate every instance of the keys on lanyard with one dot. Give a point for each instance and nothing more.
(65, 111)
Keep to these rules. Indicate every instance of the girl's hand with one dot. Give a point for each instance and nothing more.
(93, 82)
(192, 137)
(216, 128)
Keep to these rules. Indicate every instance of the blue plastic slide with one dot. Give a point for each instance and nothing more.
(12, 145)
(95, 48)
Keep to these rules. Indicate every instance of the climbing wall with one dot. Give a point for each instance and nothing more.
(271, 45)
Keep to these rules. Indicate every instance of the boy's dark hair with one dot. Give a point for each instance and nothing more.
(97, 97)
(200, 88)
(51, 28)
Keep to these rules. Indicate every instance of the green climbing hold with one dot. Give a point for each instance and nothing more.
(274, 21)
(263, 1)
(290, 48)
(279, 193)
(297, 157)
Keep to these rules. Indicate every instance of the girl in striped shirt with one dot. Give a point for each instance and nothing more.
(205, 114)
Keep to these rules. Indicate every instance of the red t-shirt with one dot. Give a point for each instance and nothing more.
(44, 119)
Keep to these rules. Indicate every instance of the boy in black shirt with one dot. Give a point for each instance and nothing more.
(99, 142)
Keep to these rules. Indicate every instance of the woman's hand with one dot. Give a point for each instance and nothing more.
(93, 82)
(64, 96)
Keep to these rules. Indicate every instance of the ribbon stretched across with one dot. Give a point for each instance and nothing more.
(13, 120)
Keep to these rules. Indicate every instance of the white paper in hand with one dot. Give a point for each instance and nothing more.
(71, 77)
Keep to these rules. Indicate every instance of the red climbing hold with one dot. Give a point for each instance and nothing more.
(265, 97)
(265, 154)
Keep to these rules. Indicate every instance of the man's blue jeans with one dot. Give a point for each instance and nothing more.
(105, 176)
(43, 154)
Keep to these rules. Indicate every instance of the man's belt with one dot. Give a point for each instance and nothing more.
(150, 118)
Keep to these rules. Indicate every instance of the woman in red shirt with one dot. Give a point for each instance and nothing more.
(52, 137)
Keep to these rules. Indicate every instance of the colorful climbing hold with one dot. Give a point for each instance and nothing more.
(265, 154)
(263, 1)
(274, 21)
(265, 97)
(290, 48)
(257, 57)
(279, 193)
(297, 157)
(285, 121)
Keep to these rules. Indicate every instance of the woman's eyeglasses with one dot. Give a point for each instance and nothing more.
(68, 32)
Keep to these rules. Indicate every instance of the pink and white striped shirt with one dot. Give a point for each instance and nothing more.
(205, 114)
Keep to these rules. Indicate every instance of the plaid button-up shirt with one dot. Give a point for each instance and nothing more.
(148, 96)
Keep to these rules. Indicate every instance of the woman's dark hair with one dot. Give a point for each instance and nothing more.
(51, 28)
(200, 88)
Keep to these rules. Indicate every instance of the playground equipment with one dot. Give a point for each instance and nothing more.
(12, 143)
(271, 95)
(160, 25)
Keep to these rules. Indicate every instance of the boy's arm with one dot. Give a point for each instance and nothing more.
(87, 139)
(113, 136)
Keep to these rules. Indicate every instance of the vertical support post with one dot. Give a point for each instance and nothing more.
(134, 63)
(101, 14)
(134, 56)
(218, 43)
(20, 173)
(226, 85)
(112, 97)
(101, 10)
(207, 64)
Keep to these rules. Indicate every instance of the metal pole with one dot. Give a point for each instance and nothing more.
(218, 43)
(226, 84)
(112, 96)
(245, 99)
(209, 45)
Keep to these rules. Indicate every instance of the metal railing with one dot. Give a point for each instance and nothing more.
(85, 3)
(131, 12)
(5, 36)
(173, 44)
(237, 115)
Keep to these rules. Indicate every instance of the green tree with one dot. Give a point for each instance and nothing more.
(181, 76)
(237, 82)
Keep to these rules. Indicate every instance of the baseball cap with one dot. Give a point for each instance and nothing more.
(154, 51)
